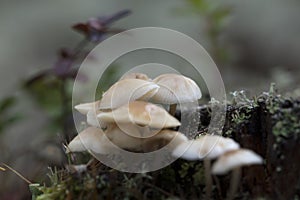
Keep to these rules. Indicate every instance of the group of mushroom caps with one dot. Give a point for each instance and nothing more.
(130, 115)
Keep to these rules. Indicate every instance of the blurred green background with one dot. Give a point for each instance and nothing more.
(253, 43)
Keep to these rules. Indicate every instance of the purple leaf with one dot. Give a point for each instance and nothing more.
(96, 29)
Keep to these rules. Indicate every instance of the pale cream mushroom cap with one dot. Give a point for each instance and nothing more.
(97, 141)
(205, 147)
(234, 159)
(140, 113)
(84, 108)
(135, 76)
(175, 89)
(127, 90)
(89, 139)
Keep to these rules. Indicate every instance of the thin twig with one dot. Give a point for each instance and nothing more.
(17, 173)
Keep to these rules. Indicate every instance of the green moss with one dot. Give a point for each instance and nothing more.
(103, 182)
(285, 113)
(240, 117)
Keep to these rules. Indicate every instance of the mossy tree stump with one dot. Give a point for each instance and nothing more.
(268, 124)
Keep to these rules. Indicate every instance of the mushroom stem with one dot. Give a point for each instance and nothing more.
(216, 180)
(235, 178)
(172, 109)
(208, 180)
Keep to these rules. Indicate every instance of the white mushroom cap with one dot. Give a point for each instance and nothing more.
(140, 113)
(208, 146)
(233, 159)
(127, 90)
(95, 140)
(89, 139)
(84, 108)
(175, 89)
(135, 76)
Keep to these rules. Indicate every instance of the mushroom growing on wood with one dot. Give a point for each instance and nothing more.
(143, 120)
(234, 160)
(175, 89)
(207, 147)
(90, 139)
(140, 113)
(125, 91)
(98, 141)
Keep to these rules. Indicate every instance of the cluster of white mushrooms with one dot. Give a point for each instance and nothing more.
(125, 116)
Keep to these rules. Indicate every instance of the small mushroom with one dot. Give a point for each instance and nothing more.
(89, 139)
(207, 147)
(140, 113)
(125, 91)
(84, 108)
(175, 89)
(135, 76)
(95, 140)
(234, 160)
(138, 120)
